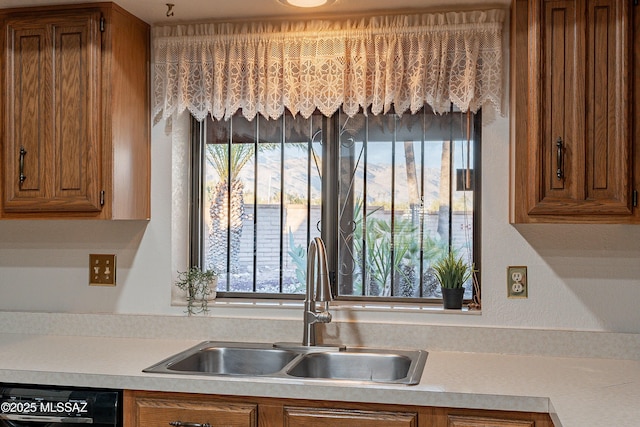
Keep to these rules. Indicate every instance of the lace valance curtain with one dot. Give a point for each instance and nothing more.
(376, 62)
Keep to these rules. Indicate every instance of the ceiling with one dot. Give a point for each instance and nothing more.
(155, 11)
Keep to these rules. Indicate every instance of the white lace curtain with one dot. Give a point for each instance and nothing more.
(376, 62)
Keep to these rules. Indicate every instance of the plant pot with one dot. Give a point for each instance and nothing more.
(452, 298)
(198, 296)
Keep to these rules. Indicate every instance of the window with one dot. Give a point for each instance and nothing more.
(389, 194)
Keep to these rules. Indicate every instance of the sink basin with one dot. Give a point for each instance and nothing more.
(318, 363)
(210, 358)
(362, 365)
(352, 366)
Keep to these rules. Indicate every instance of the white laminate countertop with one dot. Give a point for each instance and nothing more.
(577, 392)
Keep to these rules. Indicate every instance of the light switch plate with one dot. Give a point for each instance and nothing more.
(102, 270)
(517, 284)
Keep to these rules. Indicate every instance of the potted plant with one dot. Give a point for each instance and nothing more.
(199, 287)
(452, 273)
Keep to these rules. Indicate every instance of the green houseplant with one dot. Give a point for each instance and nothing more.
(452, 273)
(199, 287)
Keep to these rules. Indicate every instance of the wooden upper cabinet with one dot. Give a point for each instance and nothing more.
(52, 152)
(573, 112)
(76, 113)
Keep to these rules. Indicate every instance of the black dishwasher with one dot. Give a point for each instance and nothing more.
(50, 406)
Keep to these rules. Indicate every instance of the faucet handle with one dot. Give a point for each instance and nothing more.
(323, 317)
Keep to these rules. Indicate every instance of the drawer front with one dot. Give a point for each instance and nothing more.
(163, 412)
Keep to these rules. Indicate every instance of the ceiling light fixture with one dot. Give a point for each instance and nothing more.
(307, 3)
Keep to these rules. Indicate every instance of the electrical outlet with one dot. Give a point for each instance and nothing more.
(517, 285)
(102, 270)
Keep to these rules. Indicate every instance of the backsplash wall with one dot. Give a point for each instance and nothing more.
(581, 277)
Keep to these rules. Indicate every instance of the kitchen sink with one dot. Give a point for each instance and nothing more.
(317, 363)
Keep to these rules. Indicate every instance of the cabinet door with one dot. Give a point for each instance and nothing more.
(52, 110)
(313, 417)
(157, 412)
(573, 154)
(561, 144)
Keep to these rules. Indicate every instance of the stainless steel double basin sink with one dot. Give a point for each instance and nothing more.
(319, 363)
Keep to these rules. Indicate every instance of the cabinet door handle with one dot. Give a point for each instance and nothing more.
(181, 424)
(22, 154)
(559, 159)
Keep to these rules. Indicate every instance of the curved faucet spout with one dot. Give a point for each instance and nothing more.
(318, 291)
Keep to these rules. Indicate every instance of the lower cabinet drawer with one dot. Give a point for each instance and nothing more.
(313, 417)
(473, 421)
(154, 412)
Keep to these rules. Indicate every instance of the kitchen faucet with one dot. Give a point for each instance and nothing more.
(318, 291)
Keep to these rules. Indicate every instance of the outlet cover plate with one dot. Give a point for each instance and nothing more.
(517, 283)
(102, 270)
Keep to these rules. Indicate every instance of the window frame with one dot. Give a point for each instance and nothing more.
(329, 214)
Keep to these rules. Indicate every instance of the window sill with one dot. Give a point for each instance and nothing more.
(341, 310)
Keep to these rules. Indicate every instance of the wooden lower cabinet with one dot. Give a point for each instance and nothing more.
(160, 409)
(164, 409)
(314, 417)
(462, 421)
(450, 417)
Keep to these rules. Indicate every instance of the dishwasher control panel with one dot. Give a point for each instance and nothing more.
(20, 403)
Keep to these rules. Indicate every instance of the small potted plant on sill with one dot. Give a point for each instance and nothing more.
(452, 273)
(199, 288)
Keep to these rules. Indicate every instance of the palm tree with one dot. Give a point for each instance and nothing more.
(227, 203)
(227, 209)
